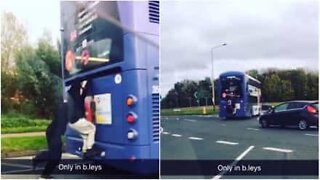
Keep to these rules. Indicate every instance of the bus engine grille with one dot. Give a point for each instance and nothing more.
(154, 12)
(155, 117)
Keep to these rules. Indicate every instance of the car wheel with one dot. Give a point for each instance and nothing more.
(302, 125)
(264, 123)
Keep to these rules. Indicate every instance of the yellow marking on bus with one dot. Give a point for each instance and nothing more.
(95, 59)
(99, 119)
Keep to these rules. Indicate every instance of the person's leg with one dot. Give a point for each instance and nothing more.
(84, 146)
(42, 156)
(91, 135)
(86, 129)
(55, 153)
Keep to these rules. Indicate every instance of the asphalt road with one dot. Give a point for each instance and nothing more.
(210, 138)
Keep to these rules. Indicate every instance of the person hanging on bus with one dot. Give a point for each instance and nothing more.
(56, 129)
(78, 122)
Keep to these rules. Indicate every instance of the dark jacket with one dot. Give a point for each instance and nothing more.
(76, 102)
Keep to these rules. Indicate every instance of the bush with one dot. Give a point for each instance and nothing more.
(17, 120)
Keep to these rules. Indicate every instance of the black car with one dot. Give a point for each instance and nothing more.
(265, 108)
(300, 113)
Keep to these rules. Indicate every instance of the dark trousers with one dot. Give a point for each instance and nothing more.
(55, 130)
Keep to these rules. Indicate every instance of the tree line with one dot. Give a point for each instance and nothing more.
(277, 85)
(30, 74)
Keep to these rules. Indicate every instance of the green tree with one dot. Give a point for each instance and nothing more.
(48, 53)
(271, 88)
(287, 92)
(312, 86)
(38, 85)
(13, 39)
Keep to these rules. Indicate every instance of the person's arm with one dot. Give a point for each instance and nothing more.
(84, 91)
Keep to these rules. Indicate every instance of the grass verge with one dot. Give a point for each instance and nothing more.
(189, 111)
(18, 123)
(23, 129)
(15, 146)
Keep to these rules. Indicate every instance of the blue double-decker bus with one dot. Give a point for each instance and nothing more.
(113, 45)
(240, 95)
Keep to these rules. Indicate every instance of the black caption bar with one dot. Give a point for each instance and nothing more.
(142, 169)
(243, 167)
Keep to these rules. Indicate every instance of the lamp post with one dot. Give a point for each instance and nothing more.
(213, 100)
(64, 95)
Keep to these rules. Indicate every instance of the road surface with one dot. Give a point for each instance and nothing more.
(210, 138)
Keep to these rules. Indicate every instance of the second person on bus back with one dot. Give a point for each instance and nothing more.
(78, 122)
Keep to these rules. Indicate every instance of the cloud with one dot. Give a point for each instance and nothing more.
(260, 34)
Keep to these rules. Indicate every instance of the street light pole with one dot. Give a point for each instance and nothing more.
(64, 96)
(213, 99)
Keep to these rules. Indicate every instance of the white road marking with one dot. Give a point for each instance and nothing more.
(227, 142)
(177, 118)
(244, 153)
(161, 129)
(176, 135)
(223, 125)
(164, 132)
(190, 120)
(235, 161)
(278, 149)
(195, 138)
(316, 135)
(253, 129)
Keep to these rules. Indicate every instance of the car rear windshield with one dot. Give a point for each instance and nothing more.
(265, 107)
(316, 105)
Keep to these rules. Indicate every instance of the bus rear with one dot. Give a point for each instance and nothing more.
(231, 85)
(114, 47)
(239, 95)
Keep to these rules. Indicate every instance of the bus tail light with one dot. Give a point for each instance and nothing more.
(311, 109)
(131, 117)
(131, 100)
(132, 134)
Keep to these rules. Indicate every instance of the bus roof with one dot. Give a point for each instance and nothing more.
(238, 73)
(250, 77)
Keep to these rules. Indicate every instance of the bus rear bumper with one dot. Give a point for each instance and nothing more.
(136, 159)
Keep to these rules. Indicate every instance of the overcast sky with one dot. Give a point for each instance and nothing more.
(260, 34)
(36, 15)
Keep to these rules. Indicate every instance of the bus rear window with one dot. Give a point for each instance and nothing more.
(89, 39)
(231, 87)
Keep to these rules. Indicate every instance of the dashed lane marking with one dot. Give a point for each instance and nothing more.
(190, 120)
(176, 135)
(253, 129)
(227, 142)
(195, 138)
(278, 149)
(164, 132)
(315, 135)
